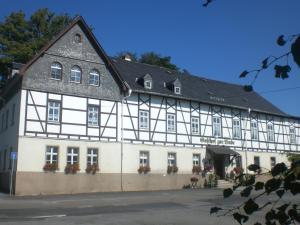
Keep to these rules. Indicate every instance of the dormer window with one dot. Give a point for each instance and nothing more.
(148, 84)
(177, 90)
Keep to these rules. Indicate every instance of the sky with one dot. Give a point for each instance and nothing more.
(217, 42)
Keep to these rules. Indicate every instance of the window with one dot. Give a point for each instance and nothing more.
(216, 126)
(13, 114)
(52, 154)
(292, 135)
(273, 162)
(177, 90)
(53, 111)
(196, 160)
(77, 38)
(92, 156)
(56, 71)
(195, 125)
(144, 120)
(270, 132)
(170, 122)
(171, 159)
(148, 84)
(6, 121)
(236, 132)
(256, 160)
(254, 130)
(72, 155)
(238, 161)
(144, 159)
(94, 78)
(75, 74)
(93, 115)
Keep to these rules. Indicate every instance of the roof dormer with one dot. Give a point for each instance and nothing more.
(175, 86)
(146, 81)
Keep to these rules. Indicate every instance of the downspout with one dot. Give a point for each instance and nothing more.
(126, 95)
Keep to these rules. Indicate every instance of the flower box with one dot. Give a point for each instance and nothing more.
(172, 169)
(50, 167)
(92, 169)
(144, 169)
(196, 170)
(72, 168)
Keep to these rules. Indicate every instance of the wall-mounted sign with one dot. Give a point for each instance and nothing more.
(216, 141)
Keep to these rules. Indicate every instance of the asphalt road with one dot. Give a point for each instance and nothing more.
(142, 208)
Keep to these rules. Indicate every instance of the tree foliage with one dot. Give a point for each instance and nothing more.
(279, 211)
(151, 58)
(22, 38)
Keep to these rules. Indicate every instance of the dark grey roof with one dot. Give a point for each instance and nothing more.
(220, 150)
(194, 88)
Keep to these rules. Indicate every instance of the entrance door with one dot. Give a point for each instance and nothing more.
(219, 166)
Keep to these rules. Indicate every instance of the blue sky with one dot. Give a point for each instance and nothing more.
(217, 42)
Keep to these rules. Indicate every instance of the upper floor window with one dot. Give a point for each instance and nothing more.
(236, 125)
(292, 135)
(144, 159)
(94, 78)
(72, 155)
(52, 154)
(270, 132)
(171, 159)
(170, 122)
(177, 90)
(254, 130)
(53, 111)
(217, 126)
(196, 159)
(195, 125)
(144, 120)
(56, 71)
(148, 84)
(93, 115)
(92, 156)
(75, 74)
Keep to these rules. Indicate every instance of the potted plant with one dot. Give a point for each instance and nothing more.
(72, 168)
(50, 167)
(144, 169)
(172, 169)
(92, 169)
(196, 170)
(194, 181)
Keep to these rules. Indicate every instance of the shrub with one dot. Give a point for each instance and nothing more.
(92, 169)
(51, 167)
(72, 168)
(196, 169)
(172, 169)
(144, 169)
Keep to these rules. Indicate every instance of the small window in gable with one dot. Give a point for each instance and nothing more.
(177, 90)
(77, 38)
(94, 78)
(148, 84)
(56, 71)
(75, 74)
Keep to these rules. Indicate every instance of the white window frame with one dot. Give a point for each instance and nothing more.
(171, 127)
(177, 90)
(144, 158)
(54, 116)
(254, 129)
(56, 71)
(217, 126)
(92, 156)
(148, 84)
(172, 161)
(144, 120)
(293, 135)
(196, 160)
(51, 151)
(195, 125)
(75, 76)
(236, 128)
(94, 112)
(71, 151)
(94, 78)
(270, 132)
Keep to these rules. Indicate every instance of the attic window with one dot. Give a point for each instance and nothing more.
(77, 38)
(148, 84)
(177, 90)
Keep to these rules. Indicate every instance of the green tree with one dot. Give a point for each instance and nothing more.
(153, 58)
(22, 38)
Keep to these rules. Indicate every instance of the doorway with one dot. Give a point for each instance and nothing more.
(219, 166)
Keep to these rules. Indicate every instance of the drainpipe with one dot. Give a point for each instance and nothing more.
(127, 95)
(246, 153)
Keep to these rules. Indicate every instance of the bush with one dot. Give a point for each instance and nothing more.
(51, 167)
(196, 170)
(172, 169)
(72, 168)
(93, 169)
(144, 169)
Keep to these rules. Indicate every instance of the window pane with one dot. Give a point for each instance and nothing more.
(171, 122)
(56, 71)
(75, 74)
(144, 120)
(93, 115)
(94, 78)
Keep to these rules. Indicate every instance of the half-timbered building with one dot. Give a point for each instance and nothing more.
(81, 121)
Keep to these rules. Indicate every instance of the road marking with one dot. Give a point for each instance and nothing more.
(48, 216)
(85, 206)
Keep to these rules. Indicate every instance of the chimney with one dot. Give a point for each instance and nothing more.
(14, 69)
(127, 57)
